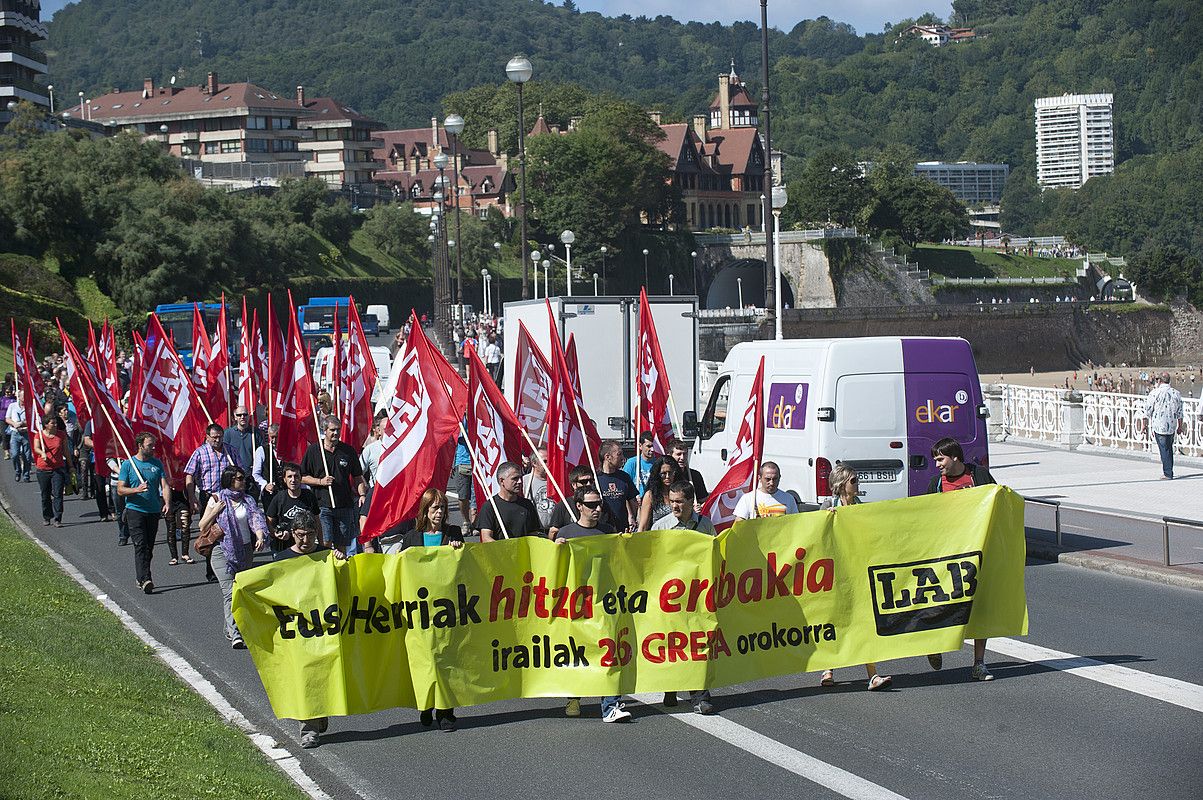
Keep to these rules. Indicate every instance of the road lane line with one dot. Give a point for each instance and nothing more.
(806, 766)
(1168, 690)
(190, 675)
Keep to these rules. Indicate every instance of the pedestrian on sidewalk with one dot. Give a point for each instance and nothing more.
(956, 474)
(1163, 409)
(142, 481)
(52, 458)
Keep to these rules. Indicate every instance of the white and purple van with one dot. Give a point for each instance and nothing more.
(877, 404)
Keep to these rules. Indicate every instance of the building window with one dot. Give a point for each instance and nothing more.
(283, 123)
(231, 146)
(751, 214)
(256, 123)
(257, 146)
(286, 146)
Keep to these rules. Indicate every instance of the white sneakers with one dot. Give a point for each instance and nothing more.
(617, 713)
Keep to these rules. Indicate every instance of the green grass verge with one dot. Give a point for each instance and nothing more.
(95, 304)
(88, 711)
(972, 262)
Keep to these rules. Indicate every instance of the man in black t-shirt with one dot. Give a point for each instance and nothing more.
(518, 515)
(285, 505)
(680, 454)
(617, 489)
(331, 469)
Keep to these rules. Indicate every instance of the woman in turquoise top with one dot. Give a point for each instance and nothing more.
(431, 530)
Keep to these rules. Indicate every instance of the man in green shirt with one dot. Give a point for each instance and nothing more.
(142, 481)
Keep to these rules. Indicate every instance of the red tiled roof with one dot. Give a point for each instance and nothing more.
(411, 141)
(327, 109)
(170, 101)
(675, 135)
(734, 147)
(473, 176)
(541, 126)
(739, 98)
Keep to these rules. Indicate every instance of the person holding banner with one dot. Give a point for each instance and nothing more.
(845, 491)
(241, 522)
(202, 476)
(508, 514)
(535, 487)
(142, 481)
(53, 460)
(654, 505)
(768, 500)
(579, 477)
(287, 506)
(588, 503)
(331, 468)
(956, 474)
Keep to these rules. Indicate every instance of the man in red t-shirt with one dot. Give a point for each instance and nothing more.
(52, 461)
(956, 474)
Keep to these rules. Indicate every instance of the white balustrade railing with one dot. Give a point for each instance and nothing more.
(1109, 419)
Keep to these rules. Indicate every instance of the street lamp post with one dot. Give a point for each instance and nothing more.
(568, 237)
(780, 198)
(605, 288)
(693, 269)
(645, 268)
(595, 284)
(50, 88)
(546, 278)
(434, 259)
(670, 284)
(484, 291)
(454, 125)
(535, 255)
(739, 286)
(519, 71)
(770, 258)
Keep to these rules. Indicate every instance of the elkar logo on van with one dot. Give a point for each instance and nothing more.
(924, 595)
(930, 412)
(787, 406)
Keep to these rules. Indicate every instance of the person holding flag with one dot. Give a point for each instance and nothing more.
(768, 500)
(742, 465)
(332, 469)
(142, 481)
(52, 458)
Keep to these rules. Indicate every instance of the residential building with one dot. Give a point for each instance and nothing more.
(938, 35)
(21, 63)
(212, 123)
(1075, 139)
(973, 183)
(719, 168)
(482, 177)
(341, 144)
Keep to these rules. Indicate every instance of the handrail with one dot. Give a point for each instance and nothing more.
(1165, 532)
(1056, 504)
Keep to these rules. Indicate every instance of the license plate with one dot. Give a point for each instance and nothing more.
(877, 476)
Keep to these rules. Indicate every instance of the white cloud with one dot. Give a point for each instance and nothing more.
(867, 16)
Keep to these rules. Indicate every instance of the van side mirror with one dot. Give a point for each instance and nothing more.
(689, 425)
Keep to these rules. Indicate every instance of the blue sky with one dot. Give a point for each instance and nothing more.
(864, 15)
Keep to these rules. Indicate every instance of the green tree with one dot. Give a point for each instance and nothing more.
(396, 230)
(336, 222)
(1167, 271)
(917, 210)
(829, 190)
(302, 196)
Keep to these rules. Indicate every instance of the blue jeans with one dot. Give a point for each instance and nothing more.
(609, 702)
(18, 443)
(1165, 444)
(340, 529)
(51, 482)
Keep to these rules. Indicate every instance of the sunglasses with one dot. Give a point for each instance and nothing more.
(591, 503)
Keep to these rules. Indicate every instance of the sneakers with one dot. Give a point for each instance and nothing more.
(980, 673)
(617, 714)
(703, 707)
(446, 724)
(573, 709)
(122, 542)
(670, 699)
(936, 661)
(238, 644)
(148, 586)
(310, 739)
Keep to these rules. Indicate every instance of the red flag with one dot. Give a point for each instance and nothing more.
(136, 373)
(744, 460)
(112, 434)
(359, 376)
(93, 349)
(573, 365)
(75, 385)
(651, 381)
(202, 352)
(26, 368)
(533, 385)
(247, 372)
(494, 434)
(419, 436)
(571, 432)
(167, 404)
(217, 400)
(294, 392)
(106, 360)
(276, 367)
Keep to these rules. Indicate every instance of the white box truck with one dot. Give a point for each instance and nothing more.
(606, 330)
(877, 404)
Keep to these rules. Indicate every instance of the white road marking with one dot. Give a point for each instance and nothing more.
(774, 752)
(1168, 690)
(192, 677)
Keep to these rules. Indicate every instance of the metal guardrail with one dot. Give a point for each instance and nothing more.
(1165, 533)
(1056, 504)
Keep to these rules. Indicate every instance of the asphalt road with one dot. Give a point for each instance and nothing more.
(1037, 731)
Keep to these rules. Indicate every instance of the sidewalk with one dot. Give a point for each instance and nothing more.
(1111, 512)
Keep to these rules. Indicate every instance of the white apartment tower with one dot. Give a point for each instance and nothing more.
(1075, 139)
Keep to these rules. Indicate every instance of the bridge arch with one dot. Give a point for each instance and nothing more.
(724, 289)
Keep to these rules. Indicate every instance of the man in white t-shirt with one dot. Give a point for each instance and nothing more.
(493, 359)
(768, 500)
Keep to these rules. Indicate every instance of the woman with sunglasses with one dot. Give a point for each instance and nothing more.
(845, 491)
(431, 529)
(654, 506)
(244, 530)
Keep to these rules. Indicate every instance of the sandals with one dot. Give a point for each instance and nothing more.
(828, 678)
(189, 560)
(172, 562)
(880, 682)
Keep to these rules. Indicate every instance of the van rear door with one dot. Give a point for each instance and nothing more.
(870, 415)
(943, 394)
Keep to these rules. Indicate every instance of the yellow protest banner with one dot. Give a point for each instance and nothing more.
(616, 614)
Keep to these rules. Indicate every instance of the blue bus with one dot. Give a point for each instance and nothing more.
(177, 323)
(316, 317)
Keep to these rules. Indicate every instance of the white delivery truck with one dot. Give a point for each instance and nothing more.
(606, 330)
(877, 404)
(381, 312)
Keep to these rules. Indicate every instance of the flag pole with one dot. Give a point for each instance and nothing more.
(589, 453)
(325, 465)
(550, 478)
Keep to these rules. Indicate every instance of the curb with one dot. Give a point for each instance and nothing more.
(1129, 569)
(278, 755)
